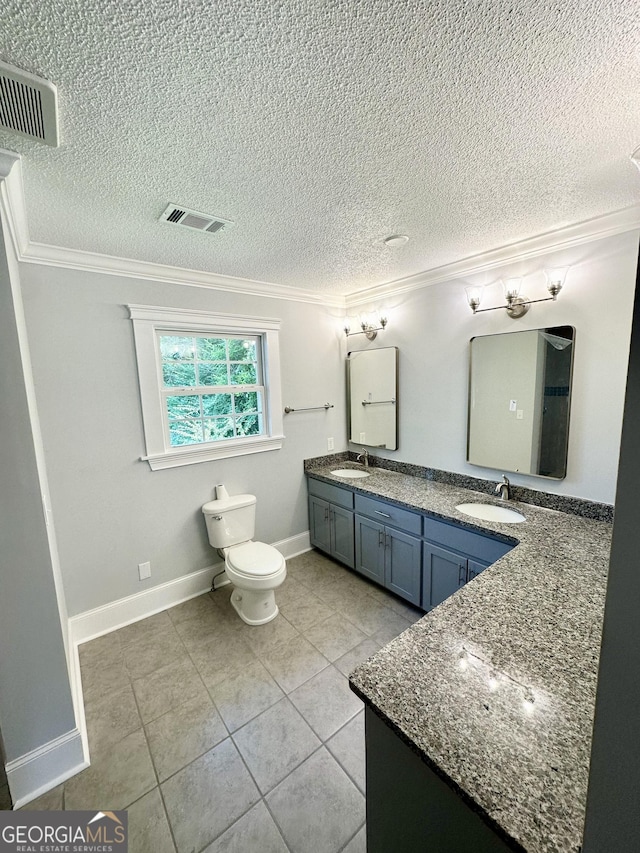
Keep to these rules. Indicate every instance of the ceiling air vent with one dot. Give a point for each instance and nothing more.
(28, 105)
(177, 215)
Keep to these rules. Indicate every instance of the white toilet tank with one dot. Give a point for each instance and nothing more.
(231, 520)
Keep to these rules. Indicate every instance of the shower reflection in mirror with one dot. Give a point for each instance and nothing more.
(519, 401)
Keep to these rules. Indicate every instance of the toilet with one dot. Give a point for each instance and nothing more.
(254, 568)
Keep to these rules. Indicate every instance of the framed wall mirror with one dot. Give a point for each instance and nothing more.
(372, 397)
(519, 401)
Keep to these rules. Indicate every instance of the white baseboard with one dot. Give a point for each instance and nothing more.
(42, 769)
(102, 620)
(294, 545)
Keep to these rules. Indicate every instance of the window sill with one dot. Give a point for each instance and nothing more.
(191, 455)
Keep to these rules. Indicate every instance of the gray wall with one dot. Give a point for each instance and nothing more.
(35, 698)
(111, 511)
(613, 816)
(432, 328)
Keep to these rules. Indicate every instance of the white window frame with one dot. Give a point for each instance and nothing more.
(148, 321)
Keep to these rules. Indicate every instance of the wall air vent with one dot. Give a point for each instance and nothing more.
(177, 215)
(28, 105)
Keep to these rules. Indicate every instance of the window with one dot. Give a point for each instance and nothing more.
(209, 384)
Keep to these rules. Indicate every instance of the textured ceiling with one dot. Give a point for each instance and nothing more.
(319, 128)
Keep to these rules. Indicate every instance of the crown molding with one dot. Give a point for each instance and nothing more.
(27, 251)
(607, 225)
(12, 206)
(57, 256)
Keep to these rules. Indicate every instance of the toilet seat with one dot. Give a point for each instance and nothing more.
(254, 560)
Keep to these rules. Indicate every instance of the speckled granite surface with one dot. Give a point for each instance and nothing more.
(563, 503)
(535, 615)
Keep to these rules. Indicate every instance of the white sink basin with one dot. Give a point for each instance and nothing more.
(491, 512)
(350, 473)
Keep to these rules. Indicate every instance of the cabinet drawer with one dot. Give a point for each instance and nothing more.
(329, 492)
(476, 545)
(389, 514)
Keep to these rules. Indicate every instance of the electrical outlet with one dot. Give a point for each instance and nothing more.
(329, 444)
(144, 571)
(519, 414)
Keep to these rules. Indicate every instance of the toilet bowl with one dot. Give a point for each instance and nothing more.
(255, 569)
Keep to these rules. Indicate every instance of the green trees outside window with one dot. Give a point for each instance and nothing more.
(213, 387)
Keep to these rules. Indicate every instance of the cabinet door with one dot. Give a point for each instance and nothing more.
(370, 548)
(319, 527)
(443, 573)
(402, 565)
(342, 534)
(474, 569)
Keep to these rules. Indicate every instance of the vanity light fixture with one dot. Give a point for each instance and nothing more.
(368, 327)
(517, 306)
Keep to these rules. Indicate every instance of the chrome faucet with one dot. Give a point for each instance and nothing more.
(504, 488)
(364, 455)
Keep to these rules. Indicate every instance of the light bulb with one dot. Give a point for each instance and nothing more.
(463, 659)
(555, 280)
(474, 297)
(511, 288)
(494, 678)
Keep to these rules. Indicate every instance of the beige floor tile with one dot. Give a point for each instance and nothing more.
(148, 825)
(317, 807)
(220, 660)
(326, 702)
(177, 738)
(261, 637)
(114, 780)
(274, 743)
(167, 688)
(243, 696)
(255, 832)
(207, 796)
(111, 718)
(153, 651)
(306, 611)
(102, 678)
(348, 748)
(137, 631)
(357, 655)
(293, 662)
(335, 636)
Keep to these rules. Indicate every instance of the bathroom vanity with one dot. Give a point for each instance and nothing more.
(479, 716)
(419, 557)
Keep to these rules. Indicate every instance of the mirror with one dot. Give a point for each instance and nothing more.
(519, 399)
(372, 391)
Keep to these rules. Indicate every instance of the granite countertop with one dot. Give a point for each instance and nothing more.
(534, 617)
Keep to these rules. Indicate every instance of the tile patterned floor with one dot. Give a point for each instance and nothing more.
(218, 736)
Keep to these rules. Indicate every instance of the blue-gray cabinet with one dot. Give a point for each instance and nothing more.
(420, 558)
(331, 521)
(385, 554)
(458, 557)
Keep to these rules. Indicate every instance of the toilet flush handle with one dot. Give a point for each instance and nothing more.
(217, 517)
